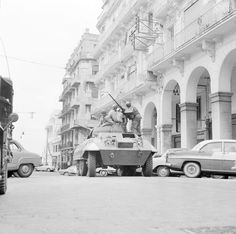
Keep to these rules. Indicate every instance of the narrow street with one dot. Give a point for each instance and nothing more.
(51, 203)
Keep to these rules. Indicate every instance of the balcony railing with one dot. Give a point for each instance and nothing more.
(65, 127)
(75, 82)
(215, 15)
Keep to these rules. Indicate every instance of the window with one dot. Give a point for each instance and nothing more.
(212, 147)
(177, 113)
(230, 147)
(14, 147)
(199, 108)
(88, 109)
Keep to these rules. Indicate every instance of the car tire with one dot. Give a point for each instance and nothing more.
(48, 170)
(91, 164)
(163, 171)
(192, 169)
(66, 174)
(147, 168)
(103, 173)
(25, 170)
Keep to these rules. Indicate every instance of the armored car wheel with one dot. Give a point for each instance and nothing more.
(147, 168)
(91, 164)
(3, 181)
(25, 170)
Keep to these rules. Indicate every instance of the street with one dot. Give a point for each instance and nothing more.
(52, 203)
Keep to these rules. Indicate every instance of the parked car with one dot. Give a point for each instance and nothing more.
(47, 168)
(160, 166)
(23, 162)
(106, 171)
(72, 170)
(210, 157)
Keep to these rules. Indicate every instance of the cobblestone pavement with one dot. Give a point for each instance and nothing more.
(50, 203)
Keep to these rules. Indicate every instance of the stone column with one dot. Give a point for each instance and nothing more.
(188, 124)
(147, 133)
(221, 115)
(166, 133)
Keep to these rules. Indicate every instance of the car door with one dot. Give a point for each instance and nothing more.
(229, 160)
(212, 156)
(16, 152)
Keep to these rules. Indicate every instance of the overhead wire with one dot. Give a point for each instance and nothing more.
(33, 62)
(6, 58)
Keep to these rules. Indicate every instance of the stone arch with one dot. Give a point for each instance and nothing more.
(190, 91)
(166, 101)
(224, 98)
(148, 110)
(149, 123)
(225, 74)
(169, 127)
(196, 108)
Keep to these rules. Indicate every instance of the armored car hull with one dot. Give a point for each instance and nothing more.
(109, 146)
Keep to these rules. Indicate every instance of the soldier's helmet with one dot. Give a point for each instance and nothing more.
(128, 104)
(114, 106)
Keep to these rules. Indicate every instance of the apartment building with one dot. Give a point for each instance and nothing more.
(52, 155)
(78, 96)
(175, 61)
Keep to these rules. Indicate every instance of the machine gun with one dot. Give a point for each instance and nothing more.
(128, 115)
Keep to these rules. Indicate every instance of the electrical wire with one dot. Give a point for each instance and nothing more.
(5, 56)
(32, 62)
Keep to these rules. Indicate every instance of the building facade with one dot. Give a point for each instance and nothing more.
(78, 96)
(175, 61)
(52, 154)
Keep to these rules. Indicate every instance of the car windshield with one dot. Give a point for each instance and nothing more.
(208, 147)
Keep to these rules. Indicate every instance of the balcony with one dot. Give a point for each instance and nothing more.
(218, 20)
(75, 103)
(125, 16)
(75, 82)
(109, 67)
(67, 145)
(66, 91)
(65, 110)
(115, 62)
(136, 86)
(65, 128)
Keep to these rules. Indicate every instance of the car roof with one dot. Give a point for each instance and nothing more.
(218, 140)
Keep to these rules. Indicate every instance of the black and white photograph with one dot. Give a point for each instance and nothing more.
(118, 116)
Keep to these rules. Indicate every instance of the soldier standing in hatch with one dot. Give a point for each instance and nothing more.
(122, 118)
(133, 114)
